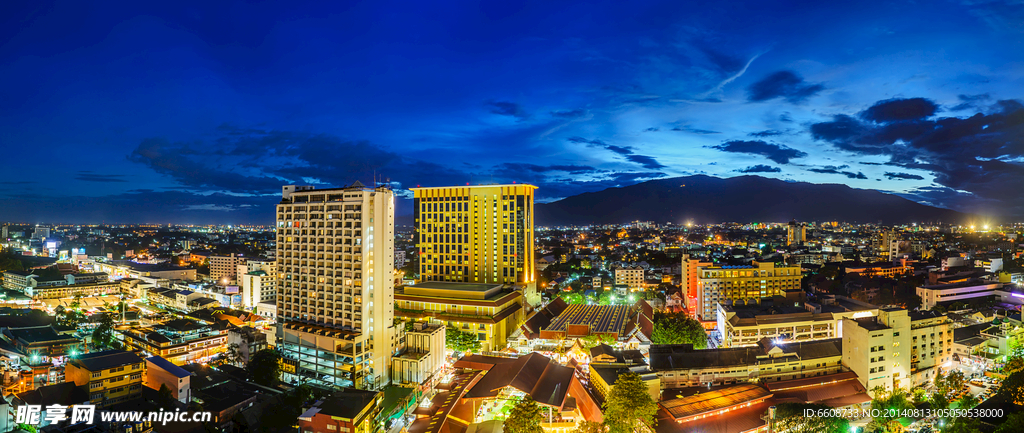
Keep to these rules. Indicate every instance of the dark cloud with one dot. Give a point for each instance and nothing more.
(173, 160)
(525, 167)
(646, 161)
(505, 108)
(971, 102)
(137, 206)
(782, 84)
(626, 151)
(776, 152)
(832, 169)
(766, 133)
(569, 114)
(902, 176)
(91, 177)
(694, 130)
(895, 110)
(651, 129)
(760, 168)
(980, 154)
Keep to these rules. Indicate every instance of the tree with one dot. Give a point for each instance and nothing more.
(919, 395)
(234, 355)
(590, 427)
(1013, 424)
(1013, 387)
(963, 424)
(525, 417)
(629, 408)
(789, 417)
(103, 335)
(165, 397)
(939, 401)
(265, 367)
(954, 381)
(1014, 365)
(678, 328)
(968, 401)
(886, 404)
(459, 341)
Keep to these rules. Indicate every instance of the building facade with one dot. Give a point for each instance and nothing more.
(492, 312)
(931, 345)
(743, 284)
(257, 280)
(690, 280)
(335, 253)
(423, 355)
(633, 278)
(476, 234)
(796, 233)
(110, 376)
(224, 269)
(879, 349)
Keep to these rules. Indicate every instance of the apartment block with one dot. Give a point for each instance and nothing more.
(743, 285)
(257, 281)
(633, 278)
(931, 345)
(335, 253)
(691, 278)
(879, 349)
(477, 234)
(423, 355)
(224, 269)
(110, 376)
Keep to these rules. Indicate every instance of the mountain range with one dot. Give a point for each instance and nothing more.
(743, 199)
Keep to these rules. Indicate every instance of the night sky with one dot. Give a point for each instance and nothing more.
(198, 114)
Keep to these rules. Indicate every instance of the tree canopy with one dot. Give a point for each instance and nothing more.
(629, 408)
(265, 367)
(888, 403)
(678, 328)
(103, 335)
(790, 418)
(459, 341)
(525, 417)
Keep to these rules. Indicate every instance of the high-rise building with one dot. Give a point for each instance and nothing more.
(633, 278)
(257, 281)
(41, 233)
(224, 269)
(335, 258)
(796, 233)
(691, 278)
(879, 349)
(3, 235)
(743, 284)
(476, 234)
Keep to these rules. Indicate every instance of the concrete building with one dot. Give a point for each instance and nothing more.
(180, 341)
(111, 376)
(742, 284)
(691, 284)
(491, 311)
(257, 281)
(224, 269)
(66, 292)
(161, 372)
(931, 345)
(681, 366)
(932, 295)
(477, 234)
(747, 325)
(879, 349)
(335, 253)
(423, 355)
(796, 233)
(18, 280)
(344, 411)
(632, 278)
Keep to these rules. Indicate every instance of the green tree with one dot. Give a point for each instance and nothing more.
(1014, 365)
(629, 408)
(939, 401)
(459, 341)
(790, 418)
(234, 355)
(590, 427)
(26, 427)
(525, 417)
(919, 395)
(887, 404)
(963, 425)
(165, 398)
(103, 335)
(968, 401)
(1013, 424)
(954, 381)
(265, 367)
(1013, 387)
(678, 328)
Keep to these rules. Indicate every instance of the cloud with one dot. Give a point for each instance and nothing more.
(694, 130)
(526, 167)
(971, 102)
(651, 129)
(766, 133)
(782, 84)
(760, 168)
(979, 154)
(902, 176)
(895, 110)
(505, 108)
(91, 177)
(832, 169)
(626, 151)
(568, 114)
(778, 153)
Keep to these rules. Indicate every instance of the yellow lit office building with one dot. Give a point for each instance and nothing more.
(476, 234)
(742, 284)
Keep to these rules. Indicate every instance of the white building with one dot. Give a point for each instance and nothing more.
(633, 278)
(423, 356)
(335, 253)
(257, 282)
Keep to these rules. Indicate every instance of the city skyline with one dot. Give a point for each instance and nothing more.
(199, 116)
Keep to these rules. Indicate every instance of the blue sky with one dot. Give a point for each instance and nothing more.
(198, 113)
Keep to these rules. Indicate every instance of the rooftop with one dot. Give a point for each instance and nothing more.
(168, 366)
(347, 403)
(686, 407)
(106, 359)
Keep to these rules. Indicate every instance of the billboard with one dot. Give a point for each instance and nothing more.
(230, 289)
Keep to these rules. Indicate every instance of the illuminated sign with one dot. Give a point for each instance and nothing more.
(862, 314)
(1017, 295)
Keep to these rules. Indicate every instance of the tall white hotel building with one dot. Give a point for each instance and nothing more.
(335, 258)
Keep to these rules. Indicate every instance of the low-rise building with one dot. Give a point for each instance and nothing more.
(71, 291)
(491, 311)
(346, 411)
(422, 356)
(162, 373)
(603, 378)
(681, 366)
(746, 325)
(630, 277)
(179, 341)
(110, 376)
(932, 295)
